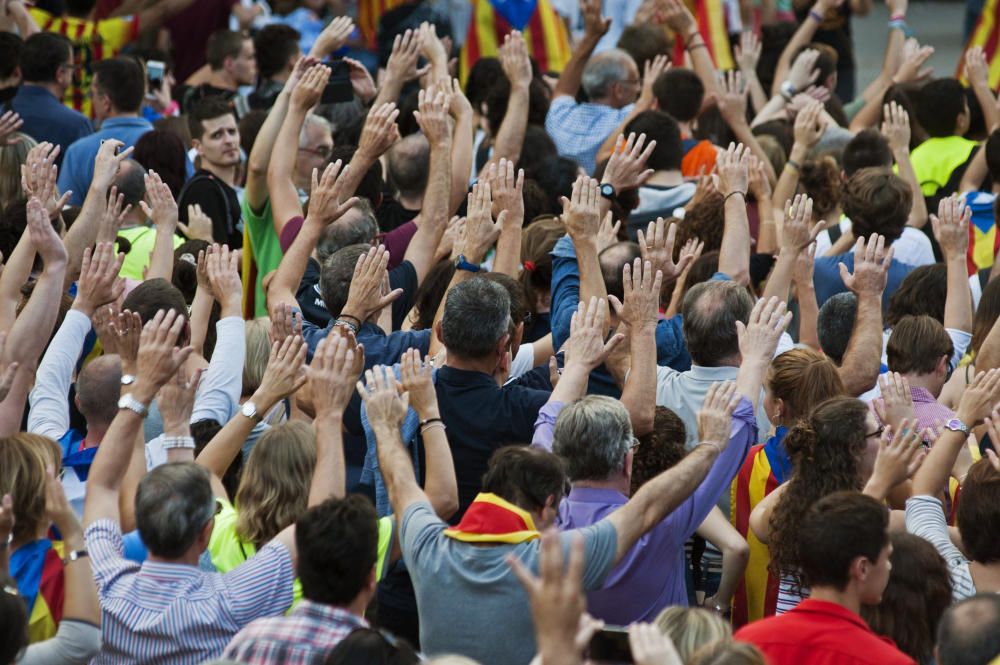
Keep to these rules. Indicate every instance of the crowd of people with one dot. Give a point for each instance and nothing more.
(312, 353)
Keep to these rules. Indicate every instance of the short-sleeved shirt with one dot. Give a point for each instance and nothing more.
(579, 130)
(92, 41)
(217, 200)
(167, 612)
(827, 281)
(261, 254)
(470, 601)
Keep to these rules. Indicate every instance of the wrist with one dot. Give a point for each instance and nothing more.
(264, 400)
(84, 308)
(428, 413)
(142, 390)
(177, 429)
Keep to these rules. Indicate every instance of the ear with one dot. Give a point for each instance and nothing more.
(942, 366)
(196, 144)
(861, 566)
(205, 536)
(503, 345)
(76, 400)
(779, 406)
(629, 458)
(437, 332)
(515, 340)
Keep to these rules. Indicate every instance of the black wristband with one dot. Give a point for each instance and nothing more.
(431, 420)
(743, 194)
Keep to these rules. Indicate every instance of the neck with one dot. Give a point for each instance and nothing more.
(618, 483)
(95, 434)
(412, 202)
(25, 539)
(222, 80)
(729, 361)
(226, 174)
(986, 576)
(845, 598)
(57, 90)
(121, 114)
(189, 558)
(686, 128)
(832, 218)
(666, 178)
(928, 382)
(484, 365)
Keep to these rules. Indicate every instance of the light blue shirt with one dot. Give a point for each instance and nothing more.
(78, 165)
(578, 130)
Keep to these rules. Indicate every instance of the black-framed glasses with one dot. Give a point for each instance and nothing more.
(322, 152)
(635, 443)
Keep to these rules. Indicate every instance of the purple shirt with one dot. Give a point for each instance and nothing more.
(651, 575)
(925, 408)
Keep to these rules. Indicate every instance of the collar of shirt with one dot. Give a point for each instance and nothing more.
(832, 611)
(464, 377)
(327, 614)
(703, 373)
(597, 495)
(112, 123)
(168, 571)
(36, 91)
(922, 395)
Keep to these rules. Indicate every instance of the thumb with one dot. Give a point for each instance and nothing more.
(845, 274)
(616, 304)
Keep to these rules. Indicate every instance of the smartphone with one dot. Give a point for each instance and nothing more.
(610, 646)
(339, 89)
(155, 69)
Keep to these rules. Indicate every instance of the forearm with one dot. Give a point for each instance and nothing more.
(870, 113)
(440, 483)
(750, 378)
(81, 602)
(396, 468)
(701, 63)
(767, 231)
(33, 327)
(758, 98)
(788, 179)
(958, 301)
(773, 109)
(293, 264)
(991, 114)
(434, 212)
(863, 357)
(804, 35)
(49, 412)
(201, 314)
(741, 130)
(257, 164)
(918, 211)
(461, 162)
(989, 353)
(510, 136)
(639, 392)
(972, 179)
(224, 446)
(329, 479)
(84, 231)
(284, 195)
(734, 253)
(717, 530)
(808, 314)
(572, 73)
(14, 275)
(111, 462)
(161, 259)
(780, 278)
(933, 474)
(591, 280)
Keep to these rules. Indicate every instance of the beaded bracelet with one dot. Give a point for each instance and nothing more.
(347, 324)
(174, 442)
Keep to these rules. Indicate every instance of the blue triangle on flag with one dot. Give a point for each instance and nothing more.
(515, 12)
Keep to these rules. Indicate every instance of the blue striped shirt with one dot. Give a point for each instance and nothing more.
(174, 613)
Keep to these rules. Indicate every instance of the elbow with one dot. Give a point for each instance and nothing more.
(445, 504)
(642, 423)
(737, 551)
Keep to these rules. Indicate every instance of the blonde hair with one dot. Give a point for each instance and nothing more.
(258, 336)
(23, 461)
(728, 653)
(691, 628)
(274, 488)
(12, 156)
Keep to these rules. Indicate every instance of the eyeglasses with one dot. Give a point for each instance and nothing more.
(877, 433)
(215, 511)
(635, 443)
(322, 152)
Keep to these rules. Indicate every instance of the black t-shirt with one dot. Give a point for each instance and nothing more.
(217, 200)
(391, 214)
(403, 276)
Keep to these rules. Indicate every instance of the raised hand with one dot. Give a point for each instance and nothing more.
(433, 118)
(506, 186)
(607, 235)
(733, 167)
(128, 331)
(39, 175)
(896, 404)
(385, 405)
(310, 88)
(980, 398)
(431, 45)
(657, 247)
(760, 186)
(588, 327)
(334, 35)
(223, 269)
(109, 157)
(977, 71)
(951, 227)
(805, 263)
(900, 454)
(799, 230)
(514, 60)
(748, 52)
(366, 294)
(733, 98)
(114, 217)
(285, 372)
(199, 225)
(326, 198)
(10, 122)
(99, 283)
(641, 307)
(804, 71)
(595, 25)
(626, 168)
(912, 67)
(649, 646)
(417, 382)
(810, 124)
(871, 267)
(159, 205)
(159, 357)
(402, 65)
(480, 231)
(715, 418)
(380, 131)
(758, 337)
(46, 241)
(680, 19)
(176, 402)
(302, 65)
(334, 371)
(582, 211)
(286, 321)
(652, 70)
(896, 126)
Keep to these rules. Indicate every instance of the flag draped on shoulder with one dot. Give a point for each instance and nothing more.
(544, 31)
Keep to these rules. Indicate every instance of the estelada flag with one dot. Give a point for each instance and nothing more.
(711, 18)
(544, 31)
(987, 35)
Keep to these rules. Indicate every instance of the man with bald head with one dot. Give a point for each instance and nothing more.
(408, 165)
(969, 632)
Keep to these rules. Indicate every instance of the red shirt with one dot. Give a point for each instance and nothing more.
(820, 633)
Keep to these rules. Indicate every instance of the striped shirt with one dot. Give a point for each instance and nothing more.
(177, 614)
(925, 518)
(304, 637)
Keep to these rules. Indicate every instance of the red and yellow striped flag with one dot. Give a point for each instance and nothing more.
(369, 14)
(544, 31)
(711, 20)
(987, 35)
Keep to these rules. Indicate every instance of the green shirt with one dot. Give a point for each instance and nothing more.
(262, 254)
(142, 239)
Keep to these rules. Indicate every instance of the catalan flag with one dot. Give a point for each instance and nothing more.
(984, 242)
(987, 35)
(544, 31)
(369, 14)
(491, 519)
(37, 568)
(767, 466)
(711, 18)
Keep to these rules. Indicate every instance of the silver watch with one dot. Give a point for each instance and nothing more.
(128, 379)
(132, 404)
(249, 409)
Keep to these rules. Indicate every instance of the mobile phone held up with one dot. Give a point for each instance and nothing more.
(155, 70)
(339, 88)
(610, 646)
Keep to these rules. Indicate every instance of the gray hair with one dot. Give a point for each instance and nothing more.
(357, 226)
(476, 317)
(604, 70)
(408, 164)
(592, 435)
(835, 323)
(313, 119)
(710, 311)
(131, 183)
(173, 504)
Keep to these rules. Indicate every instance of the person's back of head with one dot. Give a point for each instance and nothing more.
(223, 44)
(45, 56)
(408, 165)
(969, 632)
(369, 646)
(867, 149)
(537, 242)
(799, 380)
(877, 201)
(919, 345)
(710, 312)
(24, 458)
(691, 628)
(978, 517)
(679, 93)
(603, 71)
(357, 226)
(922, 292)
(613, 260)
(276, 47)
(644, 41)
(518, 301)
(163, 151)
(941, 108)
(529, 478)
(481, 77)
(826, 63)
(131, 183)
(727, 653)
(844, 539)
(659, 127)
(986, 315)
(659, 449)
(98, 387)
(122, 81)
(174, 505)
(820, 178)
(476, 321)
(594, 436)
(918, 593)
(11, 47)
(337, 544)
(336, 274)
(153, 295)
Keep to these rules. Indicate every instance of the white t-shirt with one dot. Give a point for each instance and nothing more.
(912, 247)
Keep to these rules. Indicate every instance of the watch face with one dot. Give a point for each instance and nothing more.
(249, 409)
(607, 190)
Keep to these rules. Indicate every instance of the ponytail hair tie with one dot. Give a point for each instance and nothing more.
(529, 266)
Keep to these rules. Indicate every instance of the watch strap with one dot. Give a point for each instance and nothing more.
(132, 404)
(74, 555)
(462, 264)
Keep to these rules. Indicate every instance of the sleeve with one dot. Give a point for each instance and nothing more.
(75, 643)
(262, 586)
(523, 361)
(419, 534)
(925, 518)
(960, 341)
(386, 536)
(397, 240)
(290, 231)
(220, 388)
(403, 276)
(209, 195)
(600, 544)
(565, 294)
(107, 553)
(400, 341)
(522, 406)
(49, 406)
(545, 425)
(665, 379)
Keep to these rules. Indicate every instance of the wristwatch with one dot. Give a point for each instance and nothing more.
(787, 90)
(75, 555)
(249, 409)
(956, 425)
(608, 191)
(127, 379)
(462, 264)
(132, 404)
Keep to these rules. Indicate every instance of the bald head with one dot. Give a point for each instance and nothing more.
(613, 260)
(969, 632)
(98, 388)
(409, 162)
(130, 181)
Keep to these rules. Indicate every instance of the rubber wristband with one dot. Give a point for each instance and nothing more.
(692, 47)
(815, 15)
(430, 420)
(898, 17)
(714, 445)
(743, 194)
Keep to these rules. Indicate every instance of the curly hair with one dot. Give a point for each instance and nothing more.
(705, 221)
(826, 450)
(660, 449)
(820, 178)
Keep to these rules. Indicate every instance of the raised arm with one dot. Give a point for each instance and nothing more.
(652, 70)
(284, 196)
(805, 292)
(507, 189)
(158, 361)
(39, 178)
(432, 48)
(461, 146)
(863, 358)
(809, 128)
(582, 218)
(162, 209)
(639, 314)
(797, 234)
(977, 71)
(513, 55)
(758, 339)
(734, 254)
(747, 56)
(951, 229)
(594, 27)
(377, 136)
(365, 296)
(661, 495)
(333, 36)
(791, 67)
(896, 129)
(904, 63)
(401, 68)
(732, 100)
(682, 21)
(176, 403)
